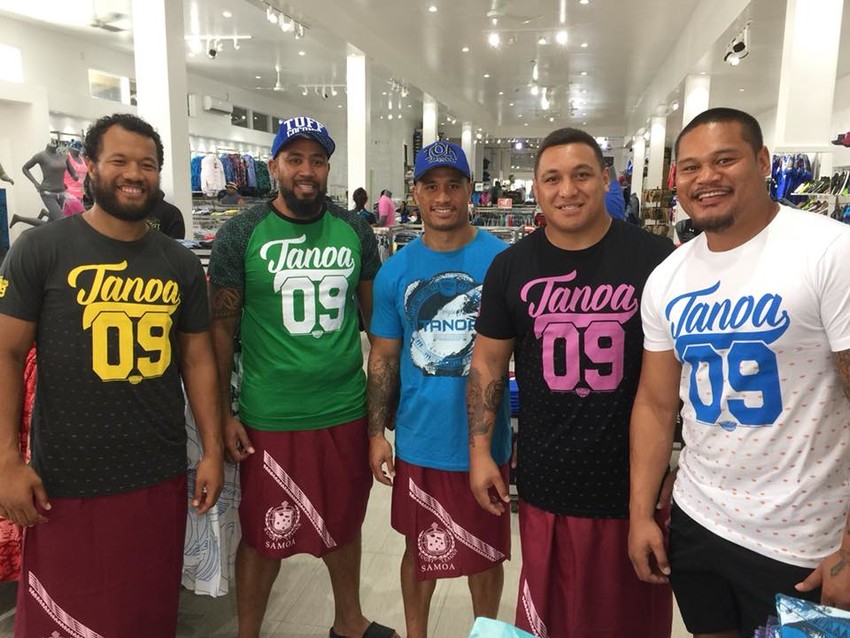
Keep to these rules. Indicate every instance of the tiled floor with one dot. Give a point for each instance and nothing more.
(301, 604)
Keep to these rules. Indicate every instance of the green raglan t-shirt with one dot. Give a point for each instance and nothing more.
(301, 358)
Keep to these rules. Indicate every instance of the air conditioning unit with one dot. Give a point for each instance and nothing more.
(216, 105)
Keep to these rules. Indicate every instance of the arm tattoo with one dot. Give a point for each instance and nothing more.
(382, 393)
(482, 404)
(839, 566)
(842, 364)
(226, 303)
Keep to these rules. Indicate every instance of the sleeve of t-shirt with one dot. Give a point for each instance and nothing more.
(656, 334)
(195, 315)
(834, 285)
(227, 259)
(370, 260)
(386, 322)
(22, 280)
(173, 225)
(494, 317)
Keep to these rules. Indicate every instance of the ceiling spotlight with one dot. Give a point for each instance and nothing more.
(542, 41)
(584, 1)
(518, 146)
(551, 119)
(390, 116)
(227, 14)
(584, 45)
(675, 106)
(302, 53)
(561, 37)
(333, 92)
(465, 50)
(494, 39)
(271, 15)
(432, 9)
(535, 71)
(584, 73)
(535, 90)
(486, 75)
(739, 47)
(287, 26)
(304, 91)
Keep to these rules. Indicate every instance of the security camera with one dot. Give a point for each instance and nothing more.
(211, 53)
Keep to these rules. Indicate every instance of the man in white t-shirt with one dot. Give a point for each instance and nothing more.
(751, 320)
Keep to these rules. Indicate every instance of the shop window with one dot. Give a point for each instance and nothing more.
(260, 122)
(276, 122)
(115, 88)
(239, 117)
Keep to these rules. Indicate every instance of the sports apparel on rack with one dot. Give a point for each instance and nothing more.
(429, 299)
(575, 319)
(766, 423)
(111, 418)
(299, 281)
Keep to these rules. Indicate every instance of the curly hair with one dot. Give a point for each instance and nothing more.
(128, 122)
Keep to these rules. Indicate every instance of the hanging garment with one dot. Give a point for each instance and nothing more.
(212, 175)
(75, 186)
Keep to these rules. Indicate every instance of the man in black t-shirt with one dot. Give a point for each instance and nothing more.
(121, 316)
(167, 219)
(565, 302)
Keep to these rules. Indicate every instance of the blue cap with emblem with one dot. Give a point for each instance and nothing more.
(302, 127)
(440, 154)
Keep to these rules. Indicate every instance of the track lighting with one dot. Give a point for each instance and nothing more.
(739, 47)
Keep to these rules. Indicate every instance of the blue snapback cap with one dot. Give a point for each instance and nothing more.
(306, 127)
(440, 154)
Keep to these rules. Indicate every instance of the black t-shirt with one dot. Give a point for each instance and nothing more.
(575, 318)
(168, 219)
(109, 408)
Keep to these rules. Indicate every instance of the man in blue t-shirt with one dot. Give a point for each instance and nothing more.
(426, 301)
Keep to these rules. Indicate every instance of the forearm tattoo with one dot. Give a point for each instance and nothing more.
(226, 303)
(842, 364)
(840, 565)
(482, 404)
(382, 393)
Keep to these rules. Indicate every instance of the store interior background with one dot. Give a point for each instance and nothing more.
(630, 84)
(622, 72)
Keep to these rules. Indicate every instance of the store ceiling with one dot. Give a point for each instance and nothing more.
(408, 44)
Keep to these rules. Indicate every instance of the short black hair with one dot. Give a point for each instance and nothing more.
(360, 197)
(569, 136)
(128, 122)
(750, 129)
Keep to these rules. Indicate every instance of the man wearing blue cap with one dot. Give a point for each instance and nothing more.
(426, 302)
(289, 274)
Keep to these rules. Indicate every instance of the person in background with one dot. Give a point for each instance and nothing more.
(361, 198)
(167, 218)
(426, 301)
(749, 323)
(288, 274)
(123, 325)
(615, 203)
(386, 209)
(231, 195)
(564, 301)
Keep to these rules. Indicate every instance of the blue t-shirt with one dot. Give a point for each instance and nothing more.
(430, 300)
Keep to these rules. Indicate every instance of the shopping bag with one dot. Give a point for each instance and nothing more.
(488, 628)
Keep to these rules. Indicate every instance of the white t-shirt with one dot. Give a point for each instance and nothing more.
(766, 462)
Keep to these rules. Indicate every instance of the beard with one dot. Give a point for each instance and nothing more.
(714, 224)
(304, 208)
(105, 197)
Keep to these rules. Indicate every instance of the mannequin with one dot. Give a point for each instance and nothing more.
(52, 185)
(5, 177)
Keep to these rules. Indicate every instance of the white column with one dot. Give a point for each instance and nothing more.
(467, 143)
(161, 91)
(697, 92)
(429, 120)
(358, 130)
(807, 76)
(657, 138)
(476, 162)
(638, 160)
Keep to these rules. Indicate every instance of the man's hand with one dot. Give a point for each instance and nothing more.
(833, 576)
(646, 551)
(380, 454)
(22, 494)
(488, 487)
(209, 479)
(236, 440)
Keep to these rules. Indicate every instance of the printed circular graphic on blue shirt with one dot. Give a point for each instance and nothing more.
(442, 311)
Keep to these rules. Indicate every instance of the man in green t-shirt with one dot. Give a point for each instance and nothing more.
(289, 275)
